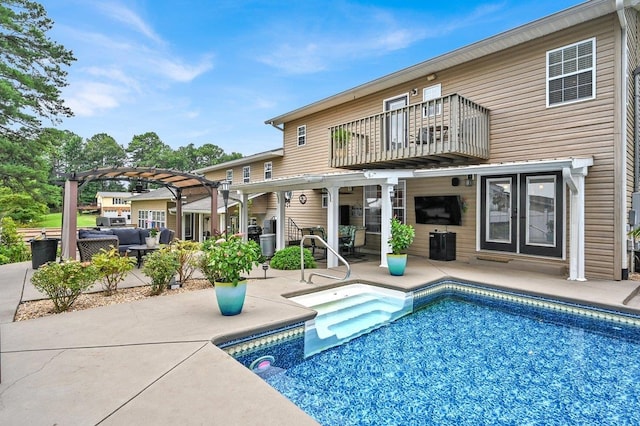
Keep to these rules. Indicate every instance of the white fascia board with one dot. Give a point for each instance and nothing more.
(508, 168)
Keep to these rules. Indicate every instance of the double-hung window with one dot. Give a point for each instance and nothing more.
(302, 135)
(268, 170)
(571, 73)
(230, 175)
(246, 174)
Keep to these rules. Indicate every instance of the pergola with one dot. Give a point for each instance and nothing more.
(174, 180)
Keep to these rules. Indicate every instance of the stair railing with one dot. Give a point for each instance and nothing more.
(340, 258)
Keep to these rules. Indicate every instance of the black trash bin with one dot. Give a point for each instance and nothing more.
(43, 251)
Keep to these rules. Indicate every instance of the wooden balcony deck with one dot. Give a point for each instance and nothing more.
(450, 130)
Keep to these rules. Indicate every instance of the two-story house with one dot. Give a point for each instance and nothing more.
(522, 144)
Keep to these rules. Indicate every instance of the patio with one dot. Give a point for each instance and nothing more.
(152, 361)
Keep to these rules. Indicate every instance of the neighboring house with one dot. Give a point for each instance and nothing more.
(531, 133)
(114, 204)
(151, 209)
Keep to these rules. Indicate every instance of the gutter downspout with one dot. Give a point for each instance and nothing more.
(623, 140)
(636, 129)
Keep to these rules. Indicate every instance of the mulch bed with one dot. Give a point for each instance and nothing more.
(41, 308)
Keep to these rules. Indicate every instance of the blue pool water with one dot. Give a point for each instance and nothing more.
(457, 363)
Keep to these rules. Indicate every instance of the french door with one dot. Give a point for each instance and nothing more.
(523, 213)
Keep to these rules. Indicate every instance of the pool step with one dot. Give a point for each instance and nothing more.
(345, 319)
(354, 315)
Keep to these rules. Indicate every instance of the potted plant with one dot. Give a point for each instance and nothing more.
(152, 239)
(401, 238)
(340, 139)
(161, 266)
(225, 263)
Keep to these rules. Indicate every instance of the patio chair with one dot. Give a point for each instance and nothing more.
(88, 247)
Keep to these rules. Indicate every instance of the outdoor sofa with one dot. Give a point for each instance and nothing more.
(92, 240)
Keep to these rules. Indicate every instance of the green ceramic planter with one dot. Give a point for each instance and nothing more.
(230, 298)
(396, 263)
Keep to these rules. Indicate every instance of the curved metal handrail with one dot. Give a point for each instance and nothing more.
(342, 259)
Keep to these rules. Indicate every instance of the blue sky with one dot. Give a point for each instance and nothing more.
(213, 71)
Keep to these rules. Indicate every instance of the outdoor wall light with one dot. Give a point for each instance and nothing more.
(469, 180)
(432, 77)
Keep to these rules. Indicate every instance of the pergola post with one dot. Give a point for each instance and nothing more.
(178, 213)
(213, 221)
(70, 219)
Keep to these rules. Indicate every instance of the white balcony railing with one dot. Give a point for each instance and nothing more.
(445, 130)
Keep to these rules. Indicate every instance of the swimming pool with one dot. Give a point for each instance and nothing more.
(472, 356)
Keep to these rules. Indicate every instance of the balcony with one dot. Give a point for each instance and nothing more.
(450, 130)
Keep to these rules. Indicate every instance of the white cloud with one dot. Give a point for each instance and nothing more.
(128, 17)
(89, 98)
(178, 71)
(364, 32)
(114, 74)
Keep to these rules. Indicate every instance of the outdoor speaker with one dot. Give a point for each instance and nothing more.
(455, 181)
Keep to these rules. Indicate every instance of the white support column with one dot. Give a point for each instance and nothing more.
(385, 225)
(332, 225)
(243, 215)
(280, 220)
(575, 181)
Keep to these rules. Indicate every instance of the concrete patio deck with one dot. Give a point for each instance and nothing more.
(152, 361)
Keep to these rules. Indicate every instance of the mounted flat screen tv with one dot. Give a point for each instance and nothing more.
(439, 210)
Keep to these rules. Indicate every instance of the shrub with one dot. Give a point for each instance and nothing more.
(161, 266)
(289, 258)
(12, 248)
(64, 282)
(112, 268)
(188, 255)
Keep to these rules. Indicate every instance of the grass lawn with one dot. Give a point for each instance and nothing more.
(54, 220)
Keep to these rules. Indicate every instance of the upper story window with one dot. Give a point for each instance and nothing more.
(246, 174)
(230, 175)
(571, 73)
(118, 201)
(268, 170)
(302, 135)
(432, 93)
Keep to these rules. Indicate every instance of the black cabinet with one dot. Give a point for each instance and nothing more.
(442, 245)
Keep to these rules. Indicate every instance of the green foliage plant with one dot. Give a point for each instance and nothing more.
(228, 260)
(340, 136)
(112, 268)
(12, 247)
(161, 266)
(289, 259)
(188, 254)
(402, 236)
(64, 282)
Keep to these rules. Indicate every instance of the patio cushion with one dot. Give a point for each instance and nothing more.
(130, 236)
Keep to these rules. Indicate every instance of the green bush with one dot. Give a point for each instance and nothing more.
(188, 255)
(161, 266)
(12, 248)
(112, 268)
(64, 282)
(289, 258)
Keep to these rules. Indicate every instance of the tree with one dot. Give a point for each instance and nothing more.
(148, 150)
(31, 70)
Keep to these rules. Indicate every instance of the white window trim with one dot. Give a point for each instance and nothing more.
(592, 69)
(246, 174)
(303, 135)
(230, 175)
(428, 94)
(268, 168)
